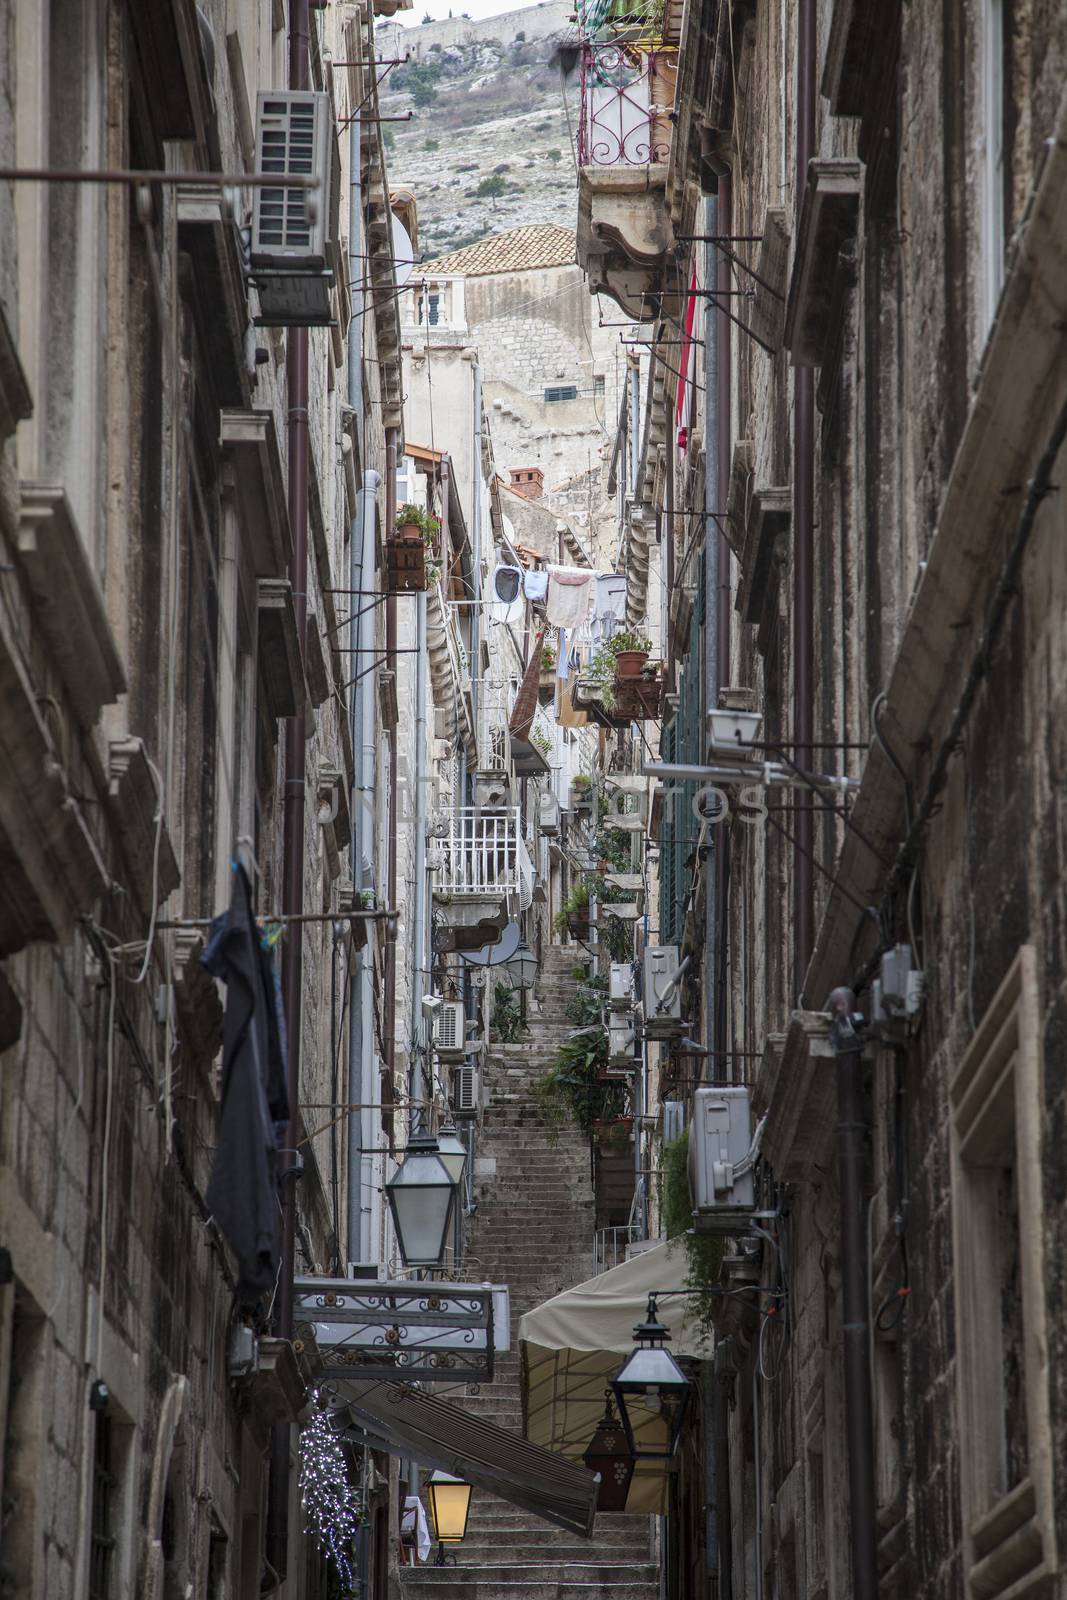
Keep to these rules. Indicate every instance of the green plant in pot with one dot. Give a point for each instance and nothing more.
(507, 1020)
(572, 1089)
(548, 659)
(575, 909)
(416, 526)
(630, 651)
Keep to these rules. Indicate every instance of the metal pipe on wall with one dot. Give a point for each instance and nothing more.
(711, 594)
(724, 219)
(803, 533)
(296, 373)
(847, 1045)
(476, 543)
(391, 658)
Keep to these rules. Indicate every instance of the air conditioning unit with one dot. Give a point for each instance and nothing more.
(662, 991)
(721, 1157)
(293, 228)
(466, 1090)
(673, 1120)
(620, 1039)
(450, 1031)
(548, 814)
(621, 986)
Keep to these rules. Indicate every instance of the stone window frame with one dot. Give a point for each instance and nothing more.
(994, 1106)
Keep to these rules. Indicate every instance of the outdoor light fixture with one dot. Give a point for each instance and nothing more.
(521, 968)
(651, 1391)
(421, 1195)
(450, 1503)
(453, 1151)
(611, 1456)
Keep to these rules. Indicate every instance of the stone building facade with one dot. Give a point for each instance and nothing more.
(152, 663)
(867, 204)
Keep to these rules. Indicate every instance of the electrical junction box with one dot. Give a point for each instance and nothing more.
(897, 992)
(720, 1159)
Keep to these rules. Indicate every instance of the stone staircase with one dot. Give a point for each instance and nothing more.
(533, 1230)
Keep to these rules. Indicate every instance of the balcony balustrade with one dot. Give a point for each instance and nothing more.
(484, 857)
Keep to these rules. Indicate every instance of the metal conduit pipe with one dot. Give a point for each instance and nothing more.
(711, 593)
(847, 1042)
(296, 373)
(724, 218)
(391, 660)
(803, 533)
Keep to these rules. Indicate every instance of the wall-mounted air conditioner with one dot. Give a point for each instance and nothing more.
(721, 1156)
(293, 228)
(621, 985)
(548, 815)
(620, 1039)
(466, 1090)
(450, 1031)
(661, 991)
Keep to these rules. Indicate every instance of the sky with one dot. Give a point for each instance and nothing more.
(439, 9)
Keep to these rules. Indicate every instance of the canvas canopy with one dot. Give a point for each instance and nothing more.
(572, 1346)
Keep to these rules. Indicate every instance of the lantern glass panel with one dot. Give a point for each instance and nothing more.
(652, 1393)
(421, 1195)
(453, 1153)
(450, 1501)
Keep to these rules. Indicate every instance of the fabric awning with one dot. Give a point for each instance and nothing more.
(572, 1346)
(440, 1435)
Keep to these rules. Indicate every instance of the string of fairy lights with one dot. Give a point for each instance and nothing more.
(333, 1508)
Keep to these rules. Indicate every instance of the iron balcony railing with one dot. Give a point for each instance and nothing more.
(627, 95)
(483, 855)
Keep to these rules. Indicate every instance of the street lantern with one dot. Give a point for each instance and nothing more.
(453, 1151)
(421, 1195)
(610, 1455)
(521, 968)
(450, 1503)
(651, 1391)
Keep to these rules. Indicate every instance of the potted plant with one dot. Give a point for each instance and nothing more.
(572, 1090)
(630, 652)
(573, 915)
(410, 520)
(613, 1131)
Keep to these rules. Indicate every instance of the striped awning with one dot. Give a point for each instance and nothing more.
(444, 1437)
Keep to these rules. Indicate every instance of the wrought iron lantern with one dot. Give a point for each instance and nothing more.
(421, 1195)
(611, 1456)
(651, 1391)
(450, 1503)
(521, 968)
(453, 1151)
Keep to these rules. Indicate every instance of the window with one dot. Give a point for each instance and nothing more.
(598, 383)
(1001, 1337)
(433, 301)
(101, 1533)
(566, 391)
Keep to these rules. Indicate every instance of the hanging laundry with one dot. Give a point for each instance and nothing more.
(525, 708)
(535, 584)
(609, 605)
(242, 1193)
(570, 595)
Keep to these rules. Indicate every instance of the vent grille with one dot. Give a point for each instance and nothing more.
(466, 1090)
(290, 225)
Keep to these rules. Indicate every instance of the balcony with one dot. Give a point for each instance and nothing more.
(624, 144)
(484, 856)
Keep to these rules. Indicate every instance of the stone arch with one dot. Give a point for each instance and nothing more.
(170, 1503)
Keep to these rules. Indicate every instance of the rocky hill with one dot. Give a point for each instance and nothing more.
(488, 146)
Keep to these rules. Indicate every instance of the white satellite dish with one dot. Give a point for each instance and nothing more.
(403, 253)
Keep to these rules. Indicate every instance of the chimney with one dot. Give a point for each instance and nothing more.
(527, 481)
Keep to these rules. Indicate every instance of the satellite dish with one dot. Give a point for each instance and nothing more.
(403, 253)
(493, 955)
(507, 603)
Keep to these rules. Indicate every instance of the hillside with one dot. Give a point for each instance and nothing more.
(488, 146)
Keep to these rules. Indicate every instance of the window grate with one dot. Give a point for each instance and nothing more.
(566, 391)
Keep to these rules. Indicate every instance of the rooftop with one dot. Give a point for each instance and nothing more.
(515, 250)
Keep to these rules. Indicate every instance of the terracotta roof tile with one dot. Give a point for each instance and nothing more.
(515, 250)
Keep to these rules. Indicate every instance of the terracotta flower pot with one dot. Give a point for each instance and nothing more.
(628, 663)
(409, 533)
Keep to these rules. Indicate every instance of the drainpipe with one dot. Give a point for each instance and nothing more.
(711, 615)
(391, 658)
(362, 1082)
(803, 536)
(633, 377)
(723, 374)
(847, 1041)
(296, 372)
(418, 975)
(476, 546)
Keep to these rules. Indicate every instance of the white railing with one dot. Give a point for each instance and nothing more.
(609, 1246)
(484, 855)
